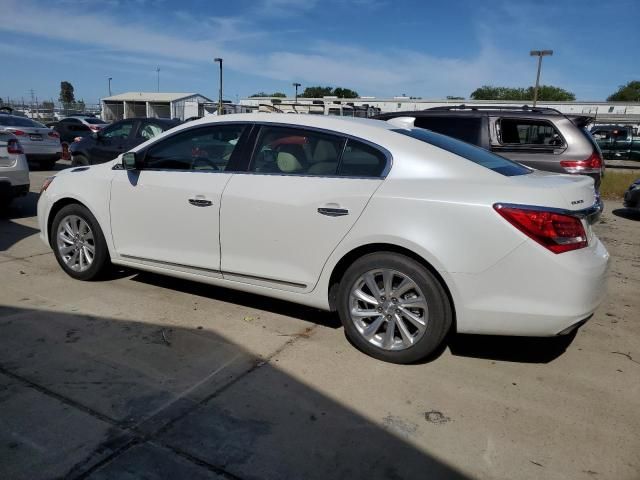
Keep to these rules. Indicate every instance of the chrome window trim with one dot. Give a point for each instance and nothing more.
(591, 214)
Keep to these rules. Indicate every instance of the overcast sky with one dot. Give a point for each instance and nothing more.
(377, 47)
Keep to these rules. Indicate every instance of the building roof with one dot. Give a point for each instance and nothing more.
(149, 97)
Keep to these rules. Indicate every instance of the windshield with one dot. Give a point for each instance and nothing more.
(93, 121)
(11, 121)
(465, 150)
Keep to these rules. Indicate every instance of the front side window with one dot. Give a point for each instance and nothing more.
(207, 148)
(515, 131)
(118, 131)
(284, 150)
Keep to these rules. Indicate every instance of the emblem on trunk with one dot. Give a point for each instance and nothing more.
(577, 202)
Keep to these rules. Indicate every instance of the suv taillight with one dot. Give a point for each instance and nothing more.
(593, 164)
(13, 146)
(54, 134)
(555, 231)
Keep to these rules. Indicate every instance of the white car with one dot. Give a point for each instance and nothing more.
(14, 170)
(406, 233)
(40, 143)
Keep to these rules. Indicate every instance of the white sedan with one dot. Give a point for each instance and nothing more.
(406, 233)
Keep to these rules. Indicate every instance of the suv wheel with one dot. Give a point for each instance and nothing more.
(393, 308)
(78, 243)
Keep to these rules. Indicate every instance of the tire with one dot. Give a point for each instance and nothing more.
(48, 164)
(423, 311)
(79, 161)
(94, 239)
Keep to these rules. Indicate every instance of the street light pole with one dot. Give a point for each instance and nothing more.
(219, 60)
(296, 84)
(158, 72)
(110, 85)
(539, 54)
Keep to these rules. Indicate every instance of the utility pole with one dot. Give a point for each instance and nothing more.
(296, 84)
(219, 60)
(110, 85)
(158, 72)
(539, 54)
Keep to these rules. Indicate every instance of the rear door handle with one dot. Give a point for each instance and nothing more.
(200, 202)
(333, 212)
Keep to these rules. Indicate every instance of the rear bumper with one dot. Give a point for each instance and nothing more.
(533, 292)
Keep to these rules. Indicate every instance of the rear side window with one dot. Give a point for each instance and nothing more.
(361, 160)
(10, 121)
(467, 129)
(517, 131)
(470, 152)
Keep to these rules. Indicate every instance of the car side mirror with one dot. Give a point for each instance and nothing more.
(132, 161)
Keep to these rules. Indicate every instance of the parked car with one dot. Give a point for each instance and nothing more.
(14, 169)
(91, 121)
(617, 142)
(541, 138)
(632, 196)
(70, 130)
(117, 138)
(40, 144)
(405, 232)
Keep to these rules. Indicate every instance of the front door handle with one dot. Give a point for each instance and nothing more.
(333, 212)
(200, 202)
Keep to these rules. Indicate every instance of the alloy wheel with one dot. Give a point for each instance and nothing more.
(76, 243)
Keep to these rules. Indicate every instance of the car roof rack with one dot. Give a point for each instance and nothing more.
(523, 108)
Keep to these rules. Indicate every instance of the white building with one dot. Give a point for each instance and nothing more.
(152, 105)
(603, 112)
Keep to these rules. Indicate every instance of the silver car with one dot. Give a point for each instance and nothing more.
(40, 144)
(14, 170)
(95, 124)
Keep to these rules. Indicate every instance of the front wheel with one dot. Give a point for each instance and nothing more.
(393, 308)
(78, 243)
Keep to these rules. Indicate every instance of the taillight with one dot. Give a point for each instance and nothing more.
(95, 128)
(593, 164)
(54, 134)
(18, 132)
(13, 146)
(555, 231)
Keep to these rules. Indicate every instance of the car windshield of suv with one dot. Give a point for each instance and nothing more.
(9, 121)
(93, 121)
(465, 150)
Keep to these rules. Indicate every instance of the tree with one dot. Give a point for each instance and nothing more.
(626, 93)
(545, 93)
(345, 93)
(265, 94)
(66, 93)
(317, 92)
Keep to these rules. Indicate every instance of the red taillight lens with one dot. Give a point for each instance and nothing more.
(13, 146)
(54, 134)
(555, 231)
(593, 164)
(18, 132)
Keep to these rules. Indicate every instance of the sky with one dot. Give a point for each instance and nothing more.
(382, 48)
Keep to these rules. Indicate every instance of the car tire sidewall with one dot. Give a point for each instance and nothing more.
(101, 258)
(440, 313)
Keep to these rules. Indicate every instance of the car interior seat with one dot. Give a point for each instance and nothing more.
(325, 159)
(288, 163)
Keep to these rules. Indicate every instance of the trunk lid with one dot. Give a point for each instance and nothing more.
(35, 135)
(569, 192)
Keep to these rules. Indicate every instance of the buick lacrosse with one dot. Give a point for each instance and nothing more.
(406, 233)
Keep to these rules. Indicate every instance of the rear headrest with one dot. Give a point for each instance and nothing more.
(288, 163)
(325, 152)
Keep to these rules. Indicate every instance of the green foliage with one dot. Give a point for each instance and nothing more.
(626, 93)
(319, 92)
(265, 94)
(66, 93)
(545, 93)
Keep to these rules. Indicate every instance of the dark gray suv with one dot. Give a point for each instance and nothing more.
(541, 138)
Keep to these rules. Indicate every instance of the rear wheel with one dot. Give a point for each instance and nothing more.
(393, 308)
(78, 243)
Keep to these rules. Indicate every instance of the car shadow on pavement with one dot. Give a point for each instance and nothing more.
(12, 232)
(85, 396)
(627, 213)
(281, 307)
(511, 349)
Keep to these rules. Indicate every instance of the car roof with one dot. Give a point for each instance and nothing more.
(473, 111)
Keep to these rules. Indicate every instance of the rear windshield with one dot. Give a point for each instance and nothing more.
(11, 121)
(475, 154)
(93, 121)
